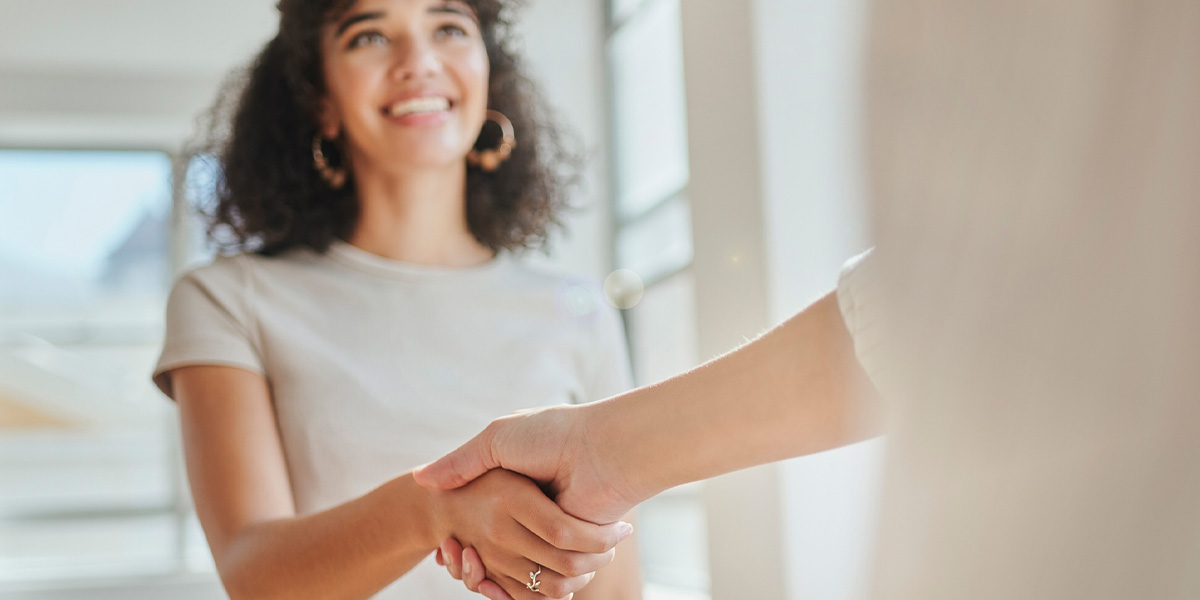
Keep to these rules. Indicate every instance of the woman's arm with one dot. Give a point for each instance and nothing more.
(263, 550)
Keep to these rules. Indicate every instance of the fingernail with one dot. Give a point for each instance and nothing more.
(626, 530)
(466, 567)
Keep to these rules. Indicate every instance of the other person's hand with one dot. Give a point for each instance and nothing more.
(551, 446)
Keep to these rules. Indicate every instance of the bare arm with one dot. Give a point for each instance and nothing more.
(796, 390)
(263, 550)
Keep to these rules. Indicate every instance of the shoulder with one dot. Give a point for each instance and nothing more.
(223, 271)
(226, 283)
(239, 271)
(854, 287)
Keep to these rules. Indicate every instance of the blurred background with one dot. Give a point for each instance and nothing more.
(723, 172)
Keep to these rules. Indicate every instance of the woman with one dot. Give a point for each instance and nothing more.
(374, 319)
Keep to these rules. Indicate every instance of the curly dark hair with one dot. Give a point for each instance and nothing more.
(269, 198)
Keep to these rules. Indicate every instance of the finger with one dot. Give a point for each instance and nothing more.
(452, 553)
(519, 589)
(547, 521)
(473, 570)
(567, 563)
(492, 591)
(550, 583)
(515, 589)
(511, 587)
(461, 466)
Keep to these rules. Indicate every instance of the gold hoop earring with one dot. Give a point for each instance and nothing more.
(489, 160)
(335, 177)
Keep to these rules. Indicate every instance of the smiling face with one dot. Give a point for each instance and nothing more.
(407, 83)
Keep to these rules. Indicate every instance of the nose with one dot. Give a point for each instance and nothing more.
(415, 58)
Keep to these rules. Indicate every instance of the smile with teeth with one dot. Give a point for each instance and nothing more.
(411, 106)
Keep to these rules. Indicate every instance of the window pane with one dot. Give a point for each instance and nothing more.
(84, 271)
(92, 548)
(662, 330)
(659, 243)
(78, 228)
(671, 527)
(650, 145)
(673, 544)
(200, 196)
(622, 9)
(47, 472)
(197, 556)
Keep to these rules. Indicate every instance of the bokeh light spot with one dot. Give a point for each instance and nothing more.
(623, 288)
(578, 300)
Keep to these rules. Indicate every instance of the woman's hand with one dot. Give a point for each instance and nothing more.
(516, 529)
(465, 565)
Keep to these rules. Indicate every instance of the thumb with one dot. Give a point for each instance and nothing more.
(460, 467)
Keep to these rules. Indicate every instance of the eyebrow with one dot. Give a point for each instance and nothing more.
(457, 8)
(359, 18)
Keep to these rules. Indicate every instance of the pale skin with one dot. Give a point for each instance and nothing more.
(796, 390)
(410, 173)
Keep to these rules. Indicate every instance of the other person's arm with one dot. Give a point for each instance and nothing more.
(796, 390)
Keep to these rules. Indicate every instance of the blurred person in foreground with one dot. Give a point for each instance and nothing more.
(1029, 318)
(386, 160)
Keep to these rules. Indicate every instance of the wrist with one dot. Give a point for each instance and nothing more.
(427, 522)
(608, 440)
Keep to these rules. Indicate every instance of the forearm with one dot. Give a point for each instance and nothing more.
(796, 390)
(350, 551)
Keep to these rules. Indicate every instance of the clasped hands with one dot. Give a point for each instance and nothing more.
(513, 469)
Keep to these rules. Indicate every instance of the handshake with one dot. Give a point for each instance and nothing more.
(525, 546)
(795, 390)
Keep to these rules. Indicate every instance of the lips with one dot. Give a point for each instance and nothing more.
(418, 105)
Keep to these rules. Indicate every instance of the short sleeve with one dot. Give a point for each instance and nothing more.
(209, 322)
(857, 298)
(611, 374)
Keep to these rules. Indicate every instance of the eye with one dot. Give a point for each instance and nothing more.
(451, 31)
(367, 38)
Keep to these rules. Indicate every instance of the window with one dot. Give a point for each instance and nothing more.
(653, 239)
(88, 448)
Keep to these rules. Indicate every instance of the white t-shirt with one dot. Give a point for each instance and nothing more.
(860, 311)
(377, 366)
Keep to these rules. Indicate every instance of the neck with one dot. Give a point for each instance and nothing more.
(417, 216)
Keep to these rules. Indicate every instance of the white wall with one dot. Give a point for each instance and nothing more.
(564, 43)
(809, 55)
(745, 545)
(120, 73)
(777, 207)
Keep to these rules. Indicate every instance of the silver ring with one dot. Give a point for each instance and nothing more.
(533, 579)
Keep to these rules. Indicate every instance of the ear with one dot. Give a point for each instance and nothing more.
(330, 120)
